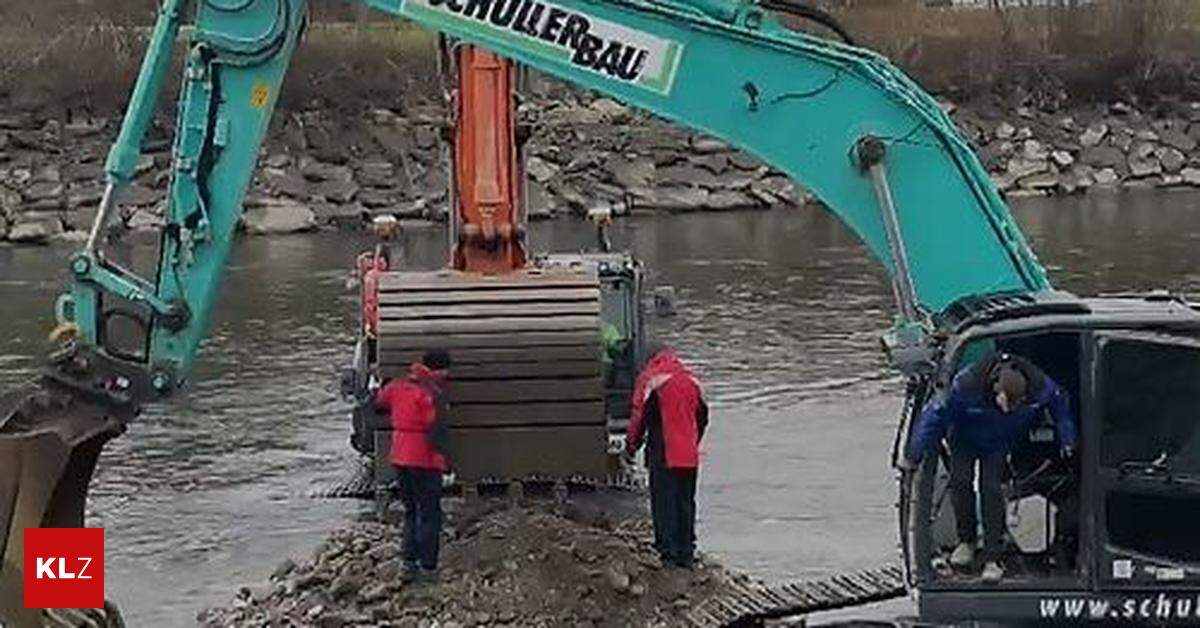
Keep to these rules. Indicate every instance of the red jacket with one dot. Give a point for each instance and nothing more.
(417, 411)
(668, 393)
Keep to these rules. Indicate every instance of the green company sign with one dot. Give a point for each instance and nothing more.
(552, 32)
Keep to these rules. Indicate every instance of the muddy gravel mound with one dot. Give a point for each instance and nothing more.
(519, 566)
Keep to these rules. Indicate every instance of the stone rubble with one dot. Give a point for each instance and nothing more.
(530, 565)
(326, 169)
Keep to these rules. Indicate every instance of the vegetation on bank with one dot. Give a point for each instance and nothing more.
(84, 53)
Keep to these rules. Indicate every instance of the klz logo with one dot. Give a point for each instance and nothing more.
(64, 567)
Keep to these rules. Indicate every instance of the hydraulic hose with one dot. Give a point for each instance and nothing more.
(812, 14)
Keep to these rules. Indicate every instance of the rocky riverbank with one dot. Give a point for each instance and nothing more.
(501, 566)
(329, 169)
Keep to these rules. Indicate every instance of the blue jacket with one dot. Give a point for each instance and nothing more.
(979, 425)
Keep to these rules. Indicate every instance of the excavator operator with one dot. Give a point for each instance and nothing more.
(418, 412)
(990, 405)
(669, 409)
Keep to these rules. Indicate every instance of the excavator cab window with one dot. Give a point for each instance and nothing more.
(1149, 458)
(1039, 490)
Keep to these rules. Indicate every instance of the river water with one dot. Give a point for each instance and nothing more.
(780, 312)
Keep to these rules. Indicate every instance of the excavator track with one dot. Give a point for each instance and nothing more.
(50, 440)
(748, 604)
(527, 391)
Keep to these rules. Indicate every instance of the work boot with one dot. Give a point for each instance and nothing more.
(992, 572)
(411, 571)
(963, 556)
(426, 576)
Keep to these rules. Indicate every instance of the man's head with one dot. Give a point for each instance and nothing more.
(1009, 384)
(653, 348)
(436, 359)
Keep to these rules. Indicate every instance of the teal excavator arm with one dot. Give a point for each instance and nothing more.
(840, 120)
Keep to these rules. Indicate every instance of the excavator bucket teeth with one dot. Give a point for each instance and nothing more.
(50, 441)
(527, 382)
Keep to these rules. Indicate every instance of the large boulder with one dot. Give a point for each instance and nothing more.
(1019, 167)
(684, 175)
(377, 174)
(1107, 177)
(10, 200)
(138, 195)
(774, 189)
(275, 216)
(145, 220)
(90, 171)
(281, 181)
(1191, 176)
(1178, 140)
(722, 200)
(1171, 158)
(1144, 166)
(1102, 156)
(677, 198)
(539, 169)
(611, 111)
(34, 231)
(44, 191)
(631, 173)
(706, 145)
(337, 191)
(316, 170)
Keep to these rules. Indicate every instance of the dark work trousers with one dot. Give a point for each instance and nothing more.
(673, 509)
(421, 493)
(962, 487)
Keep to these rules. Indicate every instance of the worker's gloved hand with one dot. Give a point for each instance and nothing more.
(448, 479)
(1067, 453)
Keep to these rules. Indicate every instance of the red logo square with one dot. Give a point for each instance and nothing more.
(64, 567)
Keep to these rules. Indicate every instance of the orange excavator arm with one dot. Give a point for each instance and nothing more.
(487, 201)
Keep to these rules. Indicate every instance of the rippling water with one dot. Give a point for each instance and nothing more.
(780, 312)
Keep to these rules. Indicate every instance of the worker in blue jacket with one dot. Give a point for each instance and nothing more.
(990, 405)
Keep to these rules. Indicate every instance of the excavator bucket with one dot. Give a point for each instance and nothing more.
(50, 441)
(527, 383)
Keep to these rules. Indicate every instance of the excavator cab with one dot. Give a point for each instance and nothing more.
(1107, 535)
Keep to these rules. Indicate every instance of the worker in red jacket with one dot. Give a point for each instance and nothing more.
(670, 411)
(417, 408)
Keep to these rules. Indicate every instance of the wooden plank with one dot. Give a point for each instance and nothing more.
(402, 358)
(523, 452)
(524, 390)
(490, 310)
(529, 370)
(510, 325)
(582, 339)
(531, 413)
(431, 297)
(521, 280)
(547, 369)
